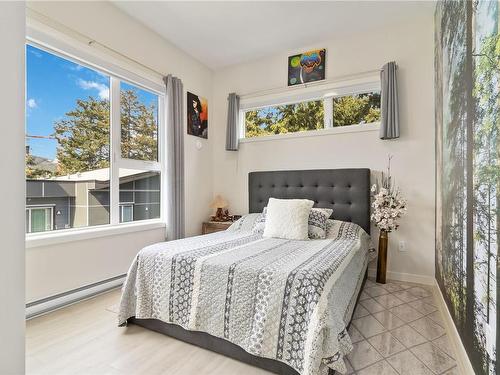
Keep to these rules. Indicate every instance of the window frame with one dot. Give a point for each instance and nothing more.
(71, 50)
(325, 92)
(122, 206)
(30, 208)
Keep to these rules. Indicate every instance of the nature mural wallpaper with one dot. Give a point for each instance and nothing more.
(467, 62)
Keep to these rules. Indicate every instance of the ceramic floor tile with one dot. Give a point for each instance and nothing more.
(405, 296)
(359, 312)
(434, 358)
(370, 284)
(430, 300)
(427, 328)
(408, 336)
(372, 306)
(436, 318)
(388, 319)
(363, 355)
(363, 296)
(453, 371)
(444, 344)
(376, 291)
(422, 307)
(354, 334)
(403, 285)
(386, 344)
(406, 363)
(379, 368)
(406, 313)
(392, 287)
(419, 292)
(388, 301)
(350, 370)
(368, 326)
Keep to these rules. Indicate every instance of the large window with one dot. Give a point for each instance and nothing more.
(327, 112)
(92, 144)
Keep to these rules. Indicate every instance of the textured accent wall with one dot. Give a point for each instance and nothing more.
(467, 87)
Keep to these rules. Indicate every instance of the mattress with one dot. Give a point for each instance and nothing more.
(284, 300)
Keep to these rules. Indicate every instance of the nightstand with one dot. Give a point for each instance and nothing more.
(215, 226)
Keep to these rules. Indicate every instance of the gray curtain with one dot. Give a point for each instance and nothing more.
(233, 123)
(389, 126)
(175, 157)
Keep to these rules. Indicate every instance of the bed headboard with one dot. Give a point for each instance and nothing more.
(346, 191)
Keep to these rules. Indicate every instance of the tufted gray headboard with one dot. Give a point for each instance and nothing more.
(346, 191)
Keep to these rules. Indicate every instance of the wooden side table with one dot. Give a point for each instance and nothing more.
(215, 226)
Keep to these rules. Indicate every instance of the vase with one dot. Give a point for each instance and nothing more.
(382, 257)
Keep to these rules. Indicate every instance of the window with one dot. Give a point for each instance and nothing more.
(288, 118)
(313, 114)
(139, 195)
(356, 109)
(81, 149)
(39, 219)
(126, 213)
(139, 123)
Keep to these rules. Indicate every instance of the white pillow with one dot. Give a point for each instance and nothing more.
(287, 218)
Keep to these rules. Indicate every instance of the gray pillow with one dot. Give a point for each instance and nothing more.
(317, 222)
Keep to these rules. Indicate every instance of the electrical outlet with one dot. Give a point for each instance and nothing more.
(402, 245)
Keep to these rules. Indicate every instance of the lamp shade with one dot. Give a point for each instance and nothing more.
(218, 202)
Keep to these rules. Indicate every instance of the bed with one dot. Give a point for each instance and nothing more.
(281, 305)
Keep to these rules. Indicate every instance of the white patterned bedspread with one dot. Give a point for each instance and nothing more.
(280, 299)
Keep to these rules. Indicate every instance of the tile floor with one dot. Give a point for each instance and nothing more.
(397, 329)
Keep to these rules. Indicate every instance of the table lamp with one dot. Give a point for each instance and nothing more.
(218, 203)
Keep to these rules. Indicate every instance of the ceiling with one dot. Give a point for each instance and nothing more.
(220, 34)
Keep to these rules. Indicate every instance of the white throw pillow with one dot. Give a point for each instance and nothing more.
(287, 218)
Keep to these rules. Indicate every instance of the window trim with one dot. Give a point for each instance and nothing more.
(56, 237)
(327, 91)
(371, 127)
(72, 50)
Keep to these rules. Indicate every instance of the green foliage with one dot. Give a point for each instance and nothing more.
(356, 109)
(284, 119)
(83, 136)
(139, 136)
(31, 170)
(291, 118)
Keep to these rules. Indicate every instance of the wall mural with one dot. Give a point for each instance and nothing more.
(467, 62)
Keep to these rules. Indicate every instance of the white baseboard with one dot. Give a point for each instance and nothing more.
(49, 304)
(462, 358)
(405, 277)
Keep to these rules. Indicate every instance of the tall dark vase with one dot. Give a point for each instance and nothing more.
(382, 257)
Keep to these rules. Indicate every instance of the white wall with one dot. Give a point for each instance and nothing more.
(411, 46)
(54, 269)
(12, 24)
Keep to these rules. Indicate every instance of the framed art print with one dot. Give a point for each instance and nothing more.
(306, 67)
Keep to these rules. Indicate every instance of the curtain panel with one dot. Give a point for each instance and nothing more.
(233, 123)
(389, 105)
(175, 158)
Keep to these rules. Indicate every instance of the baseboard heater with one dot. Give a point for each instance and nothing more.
(57, 301)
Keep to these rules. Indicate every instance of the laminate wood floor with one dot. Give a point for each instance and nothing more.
(83, 339)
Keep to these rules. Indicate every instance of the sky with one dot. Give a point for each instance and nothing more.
(53, 86)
